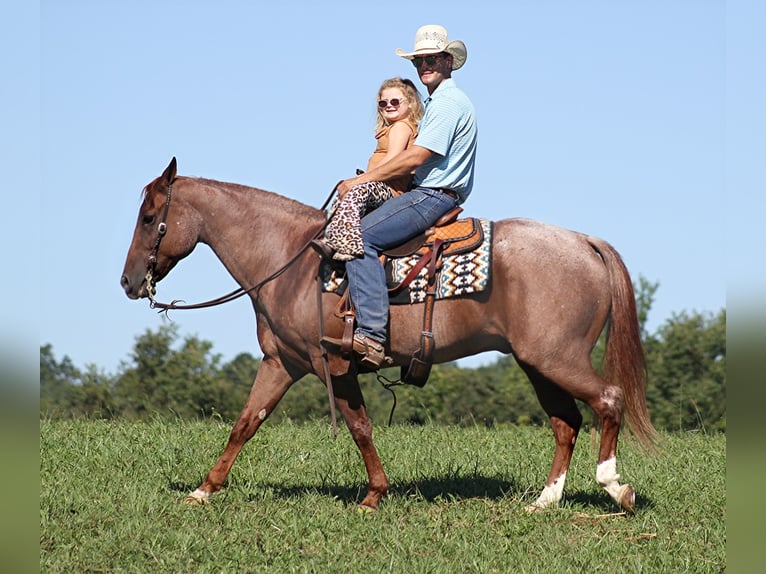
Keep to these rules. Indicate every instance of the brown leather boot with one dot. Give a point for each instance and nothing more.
(371, 353)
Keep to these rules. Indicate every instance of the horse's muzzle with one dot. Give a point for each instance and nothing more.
(128, 288)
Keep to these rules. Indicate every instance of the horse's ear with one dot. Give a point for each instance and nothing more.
(170, 172)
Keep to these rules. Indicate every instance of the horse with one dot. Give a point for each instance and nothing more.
(553, 292)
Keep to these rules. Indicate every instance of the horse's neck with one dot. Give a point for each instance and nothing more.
(252, 231)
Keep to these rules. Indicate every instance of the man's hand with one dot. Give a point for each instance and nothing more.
(401, 164)
(345, 186)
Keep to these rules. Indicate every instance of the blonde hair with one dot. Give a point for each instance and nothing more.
(411, 94)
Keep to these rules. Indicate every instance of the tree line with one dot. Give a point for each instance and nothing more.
(166, 376)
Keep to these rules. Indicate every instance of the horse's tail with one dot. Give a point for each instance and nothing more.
(624, 361)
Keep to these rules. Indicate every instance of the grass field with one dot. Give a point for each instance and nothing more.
(111, 501)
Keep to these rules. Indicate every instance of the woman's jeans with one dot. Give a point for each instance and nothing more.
(397, 220)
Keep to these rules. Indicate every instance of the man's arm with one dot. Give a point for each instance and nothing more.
(402, 164)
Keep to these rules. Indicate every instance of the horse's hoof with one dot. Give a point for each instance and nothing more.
(197, 498)
(534, 507)
(627, 498)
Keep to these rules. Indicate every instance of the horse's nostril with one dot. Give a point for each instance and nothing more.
(125, 282)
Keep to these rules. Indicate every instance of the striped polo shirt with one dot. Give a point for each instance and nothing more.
(448, 129)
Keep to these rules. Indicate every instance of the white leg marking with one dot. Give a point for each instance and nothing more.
(612, 397)
(199, 495)
(606, 475)
(550, 496)
(262, 414)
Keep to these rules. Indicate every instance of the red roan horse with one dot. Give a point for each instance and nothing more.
(553, 292)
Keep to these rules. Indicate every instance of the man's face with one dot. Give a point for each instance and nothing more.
(433, 69)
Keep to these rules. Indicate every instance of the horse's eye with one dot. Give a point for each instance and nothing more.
(147, 219)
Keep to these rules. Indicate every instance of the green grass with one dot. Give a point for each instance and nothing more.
(111, 501)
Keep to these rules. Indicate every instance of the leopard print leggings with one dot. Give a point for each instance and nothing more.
(344, 231)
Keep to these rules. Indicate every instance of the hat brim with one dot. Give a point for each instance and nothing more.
(456, 49)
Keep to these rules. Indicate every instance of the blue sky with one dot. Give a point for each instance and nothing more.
(633, 121)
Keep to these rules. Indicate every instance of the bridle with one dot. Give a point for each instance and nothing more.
(151, 263)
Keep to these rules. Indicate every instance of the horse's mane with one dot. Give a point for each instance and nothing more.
(286, 204)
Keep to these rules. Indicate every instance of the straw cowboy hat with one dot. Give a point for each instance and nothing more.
(432, 39)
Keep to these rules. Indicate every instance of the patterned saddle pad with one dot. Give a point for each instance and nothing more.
(462, 272)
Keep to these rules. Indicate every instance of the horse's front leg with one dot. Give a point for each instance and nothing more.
(269, 387)
(348, 397)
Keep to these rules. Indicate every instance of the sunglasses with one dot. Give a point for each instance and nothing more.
(383, 104)
(417, 61)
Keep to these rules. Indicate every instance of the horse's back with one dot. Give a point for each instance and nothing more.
(527, 248)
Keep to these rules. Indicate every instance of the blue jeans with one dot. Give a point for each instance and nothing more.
(397, 220)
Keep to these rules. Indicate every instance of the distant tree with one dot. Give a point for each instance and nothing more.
(498, 393)
(306, 399)
(163, 381)
(233, 384)
(94, 395)
(57, 384)
(137, 388)
(194, 369)
(644, 294)
(687, 372)
(68, 392)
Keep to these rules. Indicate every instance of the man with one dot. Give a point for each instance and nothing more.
(442, 158)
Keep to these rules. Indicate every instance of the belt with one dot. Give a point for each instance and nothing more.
(453, 194)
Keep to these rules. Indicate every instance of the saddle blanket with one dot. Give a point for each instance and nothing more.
(460, 274)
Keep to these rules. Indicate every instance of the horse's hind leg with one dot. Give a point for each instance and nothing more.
(269, 387)
(606, 400)
(566, 420)
(348, 397)
(609, 406)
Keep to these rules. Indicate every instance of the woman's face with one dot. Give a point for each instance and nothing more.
(393, 105)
